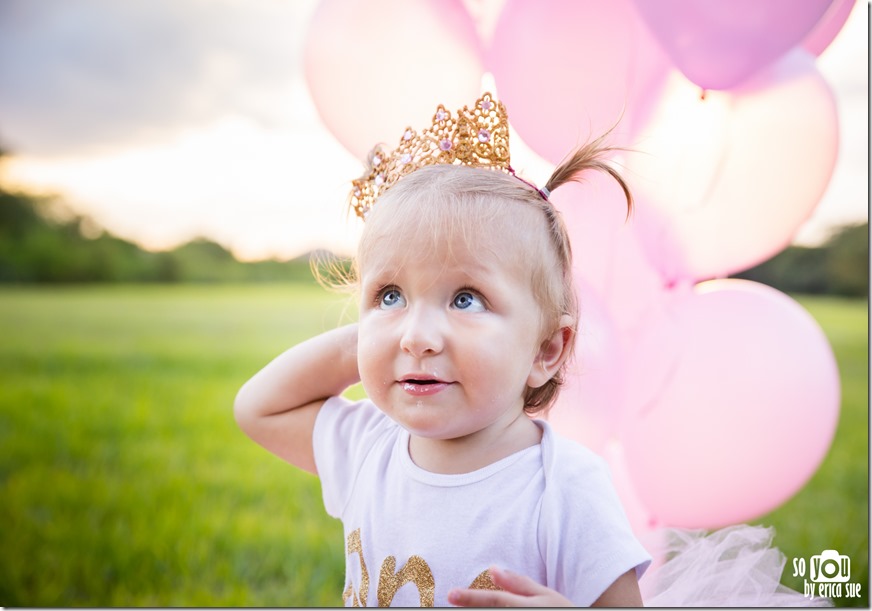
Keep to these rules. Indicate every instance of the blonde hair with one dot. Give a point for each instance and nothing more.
(448, 201)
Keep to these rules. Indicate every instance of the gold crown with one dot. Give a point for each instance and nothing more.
(477, 138)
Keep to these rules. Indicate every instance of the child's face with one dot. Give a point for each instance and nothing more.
(448, 338)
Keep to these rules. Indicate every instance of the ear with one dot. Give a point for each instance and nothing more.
(552, 353)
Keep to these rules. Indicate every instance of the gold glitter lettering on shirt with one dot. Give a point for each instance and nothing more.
(484, 581)
(416, 570)
(353, 546)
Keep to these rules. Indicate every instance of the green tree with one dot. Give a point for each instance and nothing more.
(839, 266)
(848, 260)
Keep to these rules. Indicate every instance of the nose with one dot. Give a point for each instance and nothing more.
(422, 333)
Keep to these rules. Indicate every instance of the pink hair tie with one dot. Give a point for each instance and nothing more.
(543, 192)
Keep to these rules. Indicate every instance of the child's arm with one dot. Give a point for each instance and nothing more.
(278, 405)
(623, 593)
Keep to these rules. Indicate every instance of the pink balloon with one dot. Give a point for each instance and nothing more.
(746, 413)
(640, 520)
(717, 45)
(587, 407)
(825, 30)
(725, 182)
(375, 67)
(618, 290)
(566, 69)
(645, 375)
(607, 254)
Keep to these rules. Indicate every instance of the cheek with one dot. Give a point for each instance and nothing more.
(373, 362)
(501, 369)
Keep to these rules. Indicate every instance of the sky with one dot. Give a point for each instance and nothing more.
(166, 120)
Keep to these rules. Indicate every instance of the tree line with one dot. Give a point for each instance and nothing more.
(41, 241)
(840, 266)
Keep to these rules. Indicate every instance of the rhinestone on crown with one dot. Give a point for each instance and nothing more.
(476, 138)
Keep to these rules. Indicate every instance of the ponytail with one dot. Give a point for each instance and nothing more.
(591, 156)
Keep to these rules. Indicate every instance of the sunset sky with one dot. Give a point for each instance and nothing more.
(165, 120)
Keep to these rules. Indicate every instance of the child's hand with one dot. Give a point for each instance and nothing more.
(517, 591)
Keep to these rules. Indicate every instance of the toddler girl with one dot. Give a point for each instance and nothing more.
(449, 492)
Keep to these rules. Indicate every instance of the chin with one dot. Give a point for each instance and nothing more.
(426, 426)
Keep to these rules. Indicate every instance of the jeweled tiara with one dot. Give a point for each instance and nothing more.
(478, 138)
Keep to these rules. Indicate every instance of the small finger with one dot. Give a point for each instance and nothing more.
(515, 582)
(464, 597)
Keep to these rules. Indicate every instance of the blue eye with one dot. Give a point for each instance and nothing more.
(391, 298)
(468, 302)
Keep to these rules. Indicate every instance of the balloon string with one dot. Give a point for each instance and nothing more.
(722, 161)
(665, 380)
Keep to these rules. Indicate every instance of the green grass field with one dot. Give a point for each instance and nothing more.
(125, 481)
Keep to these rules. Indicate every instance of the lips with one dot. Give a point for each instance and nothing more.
(421, 386)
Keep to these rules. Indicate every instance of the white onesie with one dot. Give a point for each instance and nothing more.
(549, 512)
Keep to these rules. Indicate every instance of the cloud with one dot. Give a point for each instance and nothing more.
(79, 75)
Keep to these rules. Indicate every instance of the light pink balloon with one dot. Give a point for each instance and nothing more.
(618, 290)
(594, 211)
(587, 409)
(375, 67)
(746, 413)
(566, 69)
(646, 376)
(607, 254)
(829, 25)
(717, 45)
(725, 182)
(640, 520)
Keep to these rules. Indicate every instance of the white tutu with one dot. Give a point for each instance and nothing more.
(732, 567)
